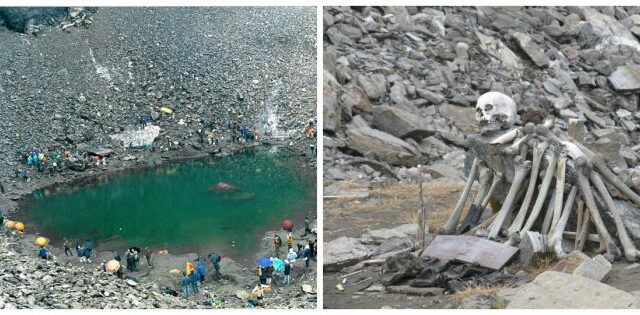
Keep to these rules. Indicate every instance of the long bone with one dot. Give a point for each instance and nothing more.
(597, 161)
(546, 223)
(584, 230)
(484, 174)
(475, 212)
(582, 167)
(538, 153)
(542, 194)
(521, 170)
(452, 222)
(580, 212)
(497, 179)
(630, 250)
(555, 242)
(560, 174)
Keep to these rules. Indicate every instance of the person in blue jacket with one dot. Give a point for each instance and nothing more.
(43, 253)
(200, 270)
(185, 285)
(194, 282)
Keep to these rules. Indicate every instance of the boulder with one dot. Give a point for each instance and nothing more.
(398, 122)
(374, 86)
(382, 146)
(222, 186)
(380, 235)
(535, 53)
(626, 78)
(596, 268)
(571, 262)
(342, 252)
(558, 290)
(330, 109)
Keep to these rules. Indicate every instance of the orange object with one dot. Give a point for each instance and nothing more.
(112, 266)
(9, 225)
(41, 241)
(19, 226)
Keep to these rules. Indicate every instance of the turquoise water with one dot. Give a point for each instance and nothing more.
(172, 207)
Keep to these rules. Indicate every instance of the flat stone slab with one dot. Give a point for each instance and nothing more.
(558, 290)
(405, 289)
(470, 249)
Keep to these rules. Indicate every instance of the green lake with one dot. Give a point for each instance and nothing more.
(173, 206)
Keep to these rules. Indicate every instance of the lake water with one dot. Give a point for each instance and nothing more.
(172, 207)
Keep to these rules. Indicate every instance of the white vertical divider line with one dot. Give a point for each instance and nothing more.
(320, 154)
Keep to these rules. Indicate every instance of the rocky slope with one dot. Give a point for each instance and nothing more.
(400, 84)
(73, 89)
(27, 281)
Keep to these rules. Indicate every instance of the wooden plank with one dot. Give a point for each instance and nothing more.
(470, 249)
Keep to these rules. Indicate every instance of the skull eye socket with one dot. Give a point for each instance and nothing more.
(488, 107)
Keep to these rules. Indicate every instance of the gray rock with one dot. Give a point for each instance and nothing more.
(374, 86)
(398, 122)
(334, 173)
(380, 235)
(382, 146)
(330, 109)
(557, 290)
(596, 268)
(342, 252)
(626, 78)
(532, 49)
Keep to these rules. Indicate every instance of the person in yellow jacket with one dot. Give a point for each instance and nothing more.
(189, 268)
(290, 240)
(277, 242)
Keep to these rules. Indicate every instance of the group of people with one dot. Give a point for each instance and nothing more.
(240, 131)
(195, 275)
(83, 252)
(40, 160)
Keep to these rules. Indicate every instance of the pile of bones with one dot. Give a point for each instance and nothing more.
(566, 175)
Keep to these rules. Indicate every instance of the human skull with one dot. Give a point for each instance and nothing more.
(495, 110)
